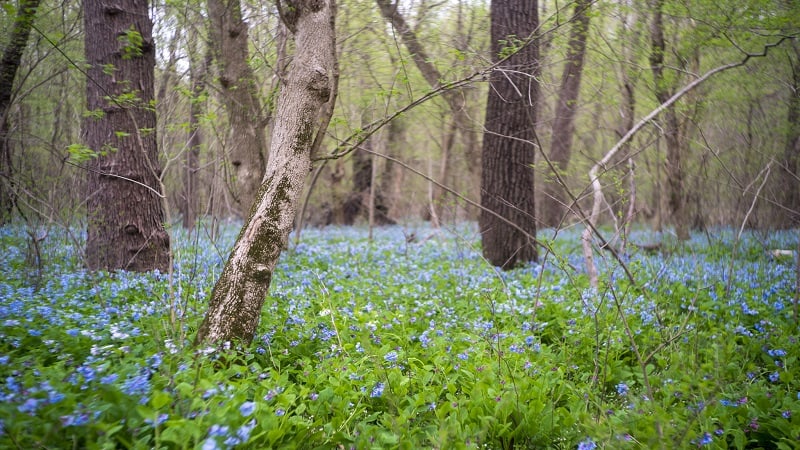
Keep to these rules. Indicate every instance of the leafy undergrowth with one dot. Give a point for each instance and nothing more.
(396, 344)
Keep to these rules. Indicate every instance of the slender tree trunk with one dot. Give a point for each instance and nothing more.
(125, 215)
(245, 142)
(672, 130)
(508, 149)
(791, 155)
(455, 99)
(9, 64)
(554, 199)
(302, 115)
(197, 74)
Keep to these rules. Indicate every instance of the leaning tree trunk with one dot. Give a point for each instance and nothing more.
(555, 202)
(125, 214)
(302, 115)
(672, 130)
(508, 142)
(9, 63)
(245, 142)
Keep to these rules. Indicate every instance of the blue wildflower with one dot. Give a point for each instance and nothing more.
(211, 444)
(243, 433)
(587, 444)
(29, 407)
(391, 357)
(622, 389)
(377, 390)
(774, 377)
(247, 408)
(280, 412)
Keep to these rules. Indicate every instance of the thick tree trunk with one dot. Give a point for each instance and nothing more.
(310, 84)
(9, 64)
(555, 201)
(508, 142)
(245, 143)
(672, 130)
(125, 215)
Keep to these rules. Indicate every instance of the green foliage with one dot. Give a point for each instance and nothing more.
(132, 43)
(390, 344)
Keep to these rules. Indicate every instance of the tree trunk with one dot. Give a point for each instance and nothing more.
(555, 201)
(125, 215)
(302, 115)
(455, 99)
(245, 143)
(9, 64)
(791, 155)
(672, 130)
(189, 209)
(508, 142)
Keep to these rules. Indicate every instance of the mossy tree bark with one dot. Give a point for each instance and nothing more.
(302, 115)
(125, 223)
(508, 143)
(246, 122)
(9, 64)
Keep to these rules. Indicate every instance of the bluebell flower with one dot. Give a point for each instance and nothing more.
(218, 430)
(29, 406)
(4, 359)
(587, 444)
(706, 439)
(774, 377)
(391, 357)
(622, 389)
(211, 444)
(243, 433)
(247, 408)
(786, 414)
(377, 390)
(280, 412)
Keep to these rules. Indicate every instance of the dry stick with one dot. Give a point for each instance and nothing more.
(736, 242)
(594, 177)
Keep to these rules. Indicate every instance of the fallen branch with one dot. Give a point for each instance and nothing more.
(594, 172)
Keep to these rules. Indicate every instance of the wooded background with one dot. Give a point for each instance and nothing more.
(724, 154)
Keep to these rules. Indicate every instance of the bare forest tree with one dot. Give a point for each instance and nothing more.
(555, 202)
(674, 165)
(509, 135)
(125, 212)
(245, 144)
(9, 64)
(304, 108)
(791, 156)
(455, 99)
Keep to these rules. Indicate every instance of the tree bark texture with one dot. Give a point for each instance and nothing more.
(672, 130)
(555, 201)
(9, 65)
(125, 214)
(310, 84)
(508, 143)
(245, 143)
(455, 99)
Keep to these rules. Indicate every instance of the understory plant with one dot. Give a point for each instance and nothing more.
(400, 343)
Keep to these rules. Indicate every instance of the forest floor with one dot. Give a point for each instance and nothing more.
(407, 340)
